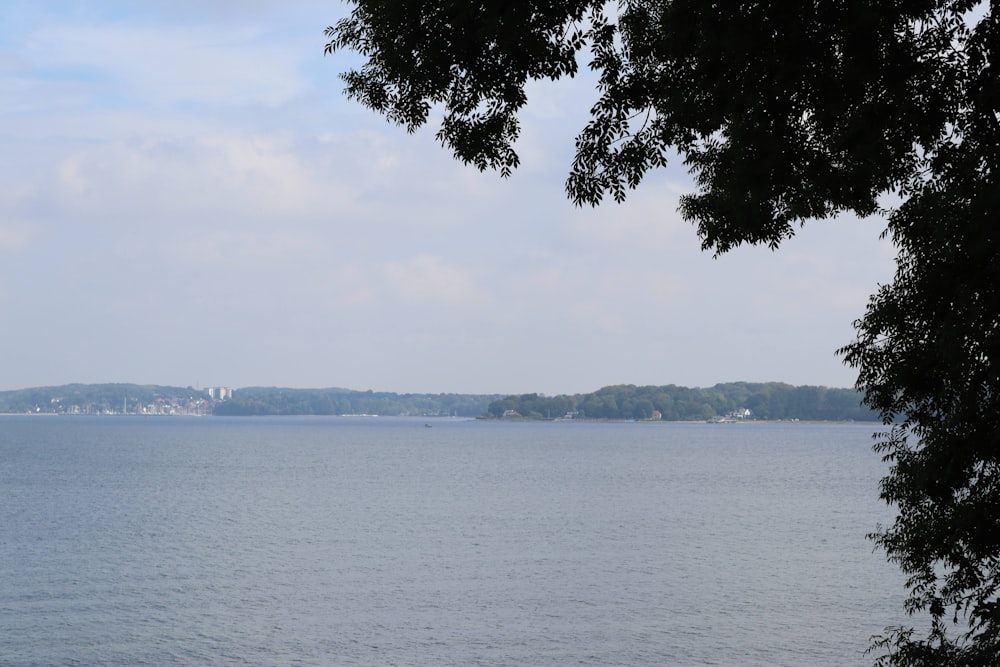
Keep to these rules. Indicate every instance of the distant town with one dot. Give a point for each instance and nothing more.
(158, 400)
(199, 404)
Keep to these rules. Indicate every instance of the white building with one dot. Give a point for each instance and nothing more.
(220, 393)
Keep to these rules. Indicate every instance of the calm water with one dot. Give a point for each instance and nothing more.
(353, 541)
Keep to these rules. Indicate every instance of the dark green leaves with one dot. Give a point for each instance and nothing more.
(471, 61)
(927, 353)
(784, 112)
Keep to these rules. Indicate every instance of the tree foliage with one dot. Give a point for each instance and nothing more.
(104, 398)
(783, 112)
(928, 350)
(768, 400)
(251, 401)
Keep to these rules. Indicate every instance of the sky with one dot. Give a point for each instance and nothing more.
(187, 198)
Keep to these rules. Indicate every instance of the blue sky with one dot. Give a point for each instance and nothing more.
(188, 199)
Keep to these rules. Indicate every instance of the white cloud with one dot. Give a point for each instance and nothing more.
(648, 222)
(14, 236)
(187, 171)
(230, 181)
(598, 315)
(171, 65)
(429, 279)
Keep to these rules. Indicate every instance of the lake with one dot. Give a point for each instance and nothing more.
(380, 541)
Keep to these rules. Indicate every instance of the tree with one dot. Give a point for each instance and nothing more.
(784, 112)
(927, 350)
(642, 409)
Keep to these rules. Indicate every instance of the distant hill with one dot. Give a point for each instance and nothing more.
(771, 401)
(735, 400)
(164, 400)
(278, 401)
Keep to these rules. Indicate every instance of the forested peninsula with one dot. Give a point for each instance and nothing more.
(736, 400)
(729, 401)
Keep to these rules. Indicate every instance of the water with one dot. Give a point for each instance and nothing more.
(353, 541)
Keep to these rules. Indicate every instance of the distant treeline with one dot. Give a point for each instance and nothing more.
(156, 399)
(277, 401)
(771, 400)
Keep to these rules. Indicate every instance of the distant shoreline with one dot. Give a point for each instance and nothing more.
(733, 402)
(508, 420)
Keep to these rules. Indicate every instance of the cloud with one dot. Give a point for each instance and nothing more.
(598, 315)
(428, 279)
(235, 181)
(181, 168)
(170, 65)
(14, 236)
